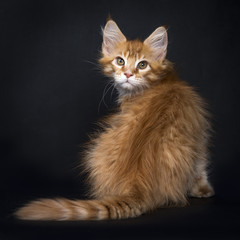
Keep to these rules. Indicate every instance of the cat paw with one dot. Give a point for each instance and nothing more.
(201, 188)
(202, 191)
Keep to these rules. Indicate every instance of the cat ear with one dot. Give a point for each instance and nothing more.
(158, 41)
(112, 35)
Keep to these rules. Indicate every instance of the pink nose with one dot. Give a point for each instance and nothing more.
(128, 74)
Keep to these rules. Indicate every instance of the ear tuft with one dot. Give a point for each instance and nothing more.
(158, 42)
(112, 35)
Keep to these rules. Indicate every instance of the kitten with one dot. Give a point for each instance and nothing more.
(153, 151)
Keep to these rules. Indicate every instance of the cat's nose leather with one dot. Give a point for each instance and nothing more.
(128, 74)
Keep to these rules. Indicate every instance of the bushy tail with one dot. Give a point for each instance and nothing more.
(64, 209)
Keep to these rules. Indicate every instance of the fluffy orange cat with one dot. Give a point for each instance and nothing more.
(153, 152)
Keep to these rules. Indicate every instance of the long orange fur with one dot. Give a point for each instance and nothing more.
(153, 152)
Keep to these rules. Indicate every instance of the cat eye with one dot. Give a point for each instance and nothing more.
(142, 65)
(120, 61)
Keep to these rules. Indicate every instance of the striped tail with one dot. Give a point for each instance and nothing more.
(61, 209)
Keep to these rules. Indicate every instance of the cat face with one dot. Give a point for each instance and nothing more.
(130, 67)
(133, 65)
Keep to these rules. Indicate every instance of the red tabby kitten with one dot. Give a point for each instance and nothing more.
(153, 151)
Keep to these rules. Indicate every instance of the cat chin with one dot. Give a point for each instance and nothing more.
(126, 89)
(127, 86)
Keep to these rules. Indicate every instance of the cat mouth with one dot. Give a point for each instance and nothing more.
(125, 83)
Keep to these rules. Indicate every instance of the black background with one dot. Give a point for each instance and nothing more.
(51, 97)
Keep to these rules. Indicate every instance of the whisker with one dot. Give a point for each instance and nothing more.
(114, 85)
(105, 91)
(93, 63)
(96, 65)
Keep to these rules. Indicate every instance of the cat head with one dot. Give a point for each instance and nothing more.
(133, 65)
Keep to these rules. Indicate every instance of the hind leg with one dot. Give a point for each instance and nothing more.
(200, 187)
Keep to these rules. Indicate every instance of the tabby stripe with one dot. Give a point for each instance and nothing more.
(108, 210)
(121, 210)
(127, 209)
(127, 205)
(131, 209)
(112, 211)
